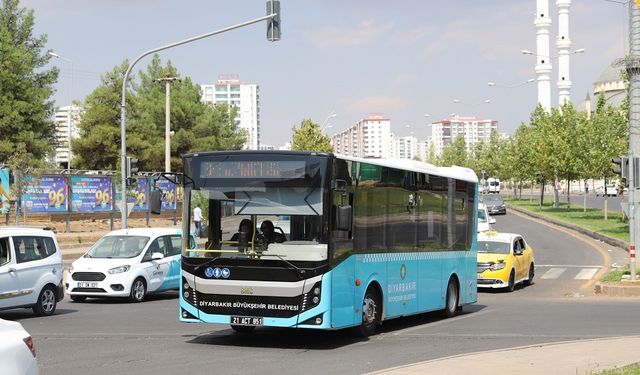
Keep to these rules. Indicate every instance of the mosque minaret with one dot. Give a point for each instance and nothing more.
(543, 63)
(563, 44)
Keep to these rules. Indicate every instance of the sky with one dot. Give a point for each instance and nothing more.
(399, 59)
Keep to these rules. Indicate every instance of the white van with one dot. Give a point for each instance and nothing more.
(30, 270)
(484, 220)
(494, 185)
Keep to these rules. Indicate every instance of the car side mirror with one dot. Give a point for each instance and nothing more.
(343, 219)
(157, 256)
(492, 220)
(517, 252)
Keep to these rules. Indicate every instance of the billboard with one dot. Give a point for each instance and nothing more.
(168, 193)
(4, 190)
(91, 194)
(138, 195)
(45, 194)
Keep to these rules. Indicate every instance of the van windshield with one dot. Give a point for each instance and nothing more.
(118, 247)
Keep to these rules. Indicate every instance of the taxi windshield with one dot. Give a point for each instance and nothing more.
(118, 247)
(493, 247)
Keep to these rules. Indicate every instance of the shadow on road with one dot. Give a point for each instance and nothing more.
(22, 314)
(310, 339)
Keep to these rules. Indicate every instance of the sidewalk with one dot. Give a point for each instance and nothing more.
(574, 357)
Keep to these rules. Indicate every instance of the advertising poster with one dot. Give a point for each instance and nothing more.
(168, 193)
(4, 190)
(91, 194)
(138, 195)
(46, 194)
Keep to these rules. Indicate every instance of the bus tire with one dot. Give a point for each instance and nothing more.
(451, 301)
(138, 290)
(243, 329)
(371, 312)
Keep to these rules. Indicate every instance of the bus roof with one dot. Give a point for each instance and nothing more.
(459, 173)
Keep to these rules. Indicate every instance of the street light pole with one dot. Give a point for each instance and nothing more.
(123, 105)
(167, 117)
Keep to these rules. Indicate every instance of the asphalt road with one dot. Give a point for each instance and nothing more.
(115, 337)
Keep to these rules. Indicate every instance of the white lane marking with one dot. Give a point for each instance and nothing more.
(553, 273)
(586, 274)
(569, 265)
(442, 321)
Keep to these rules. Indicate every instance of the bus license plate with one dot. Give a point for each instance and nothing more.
(246, 321)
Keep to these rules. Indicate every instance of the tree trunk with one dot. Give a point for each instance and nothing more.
(584, 200)
(556, 193)
(542, 193)
(568, 194)
(520, 189)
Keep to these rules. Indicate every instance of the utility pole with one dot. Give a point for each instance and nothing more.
(167, 127)
(633, 70)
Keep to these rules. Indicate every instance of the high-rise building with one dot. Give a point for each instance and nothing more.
(66, 124)
(473, 129)
(368, 138)
(245, 97)
(405, 147)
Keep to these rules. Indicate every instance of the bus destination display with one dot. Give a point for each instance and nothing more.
(253, 169)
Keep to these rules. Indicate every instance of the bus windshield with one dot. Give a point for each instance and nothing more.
(259, 208)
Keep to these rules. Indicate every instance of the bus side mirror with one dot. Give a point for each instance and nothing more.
(343, 219)
(155, 202)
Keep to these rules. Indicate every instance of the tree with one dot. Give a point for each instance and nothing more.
(99, 128)
(309, 137)
(25, 87)
(455, 153)
(197, 126)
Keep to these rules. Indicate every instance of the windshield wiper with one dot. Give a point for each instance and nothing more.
(301, 271)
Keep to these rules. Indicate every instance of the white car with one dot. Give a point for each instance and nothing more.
(484, 220)
(30, 270)
(17, 350)
(612, 191)
(128, 263)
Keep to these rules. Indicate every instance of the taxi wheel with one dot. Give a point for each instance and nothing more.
(78, 298)
(138, 290)
(529, 280)
(512, 281)
(243, 329)
(451, 302)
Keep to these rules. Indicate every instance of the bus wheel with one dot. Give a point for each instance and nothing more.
(371, 313)
(451, 302)
(243, 329)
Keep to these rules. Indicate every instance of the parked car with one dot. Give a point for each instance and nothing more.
(484, 220)
(17, 350)
(504, 260)
(128, 263)
(30, 270)
(495, 204)
(611, 191)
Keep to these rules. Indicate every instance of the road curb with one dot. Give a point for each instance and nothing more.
(595, 235)
(601, 288)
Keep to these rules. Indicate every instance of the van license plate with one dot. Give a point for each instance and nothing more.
(246, 321)
(87, 285)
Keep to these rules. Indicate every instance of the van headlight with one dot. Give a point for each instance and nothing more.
(120, 269)
(71, 268)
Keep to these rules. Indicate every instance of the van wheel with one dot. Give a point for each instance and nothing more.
(78, 298)
(243, 329)
(46, 304)
(138, 290)
(451, 302)
(371, 313)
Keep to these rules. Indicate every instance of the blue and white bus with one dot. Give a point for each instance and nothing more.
(359, 241)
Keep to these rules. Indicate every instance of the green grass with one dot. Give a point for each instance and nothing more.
(627, 370)
(592, 219)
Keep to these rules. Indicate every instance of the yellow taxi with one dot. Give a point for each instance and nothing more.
(504, 260)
